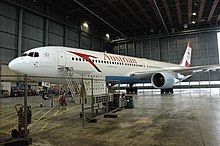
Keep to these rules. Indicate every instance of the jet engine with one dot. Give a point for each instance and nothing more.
(163, 80)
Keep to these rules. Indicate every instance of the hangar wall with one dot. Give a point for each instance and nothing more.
(32, 25)
(171, 49)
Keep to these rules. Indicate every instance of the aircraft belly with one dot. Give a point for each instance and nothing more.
(126, 79)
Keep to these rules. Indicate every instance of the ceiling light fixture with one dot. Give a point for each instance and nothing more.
(194, 14)
(107, 35)
(85, 25)
(185, 26)
(193, 22)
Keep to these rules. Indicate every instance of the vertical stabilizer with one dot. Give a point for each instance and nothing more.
(187, 56)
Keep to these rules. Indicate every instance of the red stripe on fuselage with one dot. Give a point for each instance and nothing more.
(86, 57)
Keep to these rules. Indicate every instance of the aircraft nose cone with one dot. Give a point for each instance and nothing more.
(14, 65)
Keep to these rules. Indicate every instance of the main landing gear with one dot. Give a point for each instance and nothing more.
(131, 89)
(169, 90)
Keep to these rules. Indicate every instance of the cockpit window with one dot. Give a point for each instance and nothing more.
(31, 54)
(24, 54)
(36, 54)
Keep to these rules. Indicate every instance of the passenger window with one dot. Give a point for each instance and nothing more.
(72, 58)
(31, 54)
(24, 54)
(36, 54)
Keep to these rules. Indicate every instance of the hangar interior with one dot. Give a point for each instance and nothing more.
(152, 29)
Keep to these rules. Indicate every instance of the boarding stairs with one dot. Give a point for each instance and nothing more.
(72, 83)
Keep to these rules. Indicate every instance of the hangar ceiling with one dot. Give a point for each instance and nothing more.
(135, 18)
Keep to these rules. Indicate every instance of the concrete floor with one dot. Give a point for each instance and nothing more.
(188, 117)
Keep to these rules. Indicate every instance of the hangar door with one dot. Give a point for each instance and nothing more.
(61, 58)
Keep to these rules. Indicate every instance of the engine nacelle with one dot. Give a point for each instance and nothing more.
(163, 80)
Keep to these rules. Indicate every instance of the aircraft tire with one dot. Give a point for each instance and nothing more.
(127, 90)
(171, 90)
(135, 89)
(131, 90)
(161, 91)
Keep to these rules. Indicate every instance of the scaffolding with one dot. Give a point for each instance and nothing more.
(73, 84)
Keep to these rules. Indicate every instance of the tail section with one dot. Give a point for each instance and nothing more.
(187, 56)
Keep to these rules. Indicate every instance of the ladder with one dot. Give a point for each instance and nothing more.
(73, 84)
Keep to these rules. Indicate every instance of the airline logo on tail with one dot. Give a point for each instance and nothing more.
(187, 56)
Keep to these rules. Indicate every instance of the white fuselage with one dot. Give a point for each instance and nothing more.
(49, 59)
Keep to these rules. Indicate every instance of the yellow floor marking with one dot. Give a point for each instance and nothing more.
(7, 112)
(37, 113)
(55, 125)
(56, 114)
(45, 125)
(7, 124)
(9, 109)
(8, 117)
(41, 117)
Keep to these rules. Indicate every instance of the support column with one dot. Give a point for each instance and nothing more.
(118, 49)
(91, 36)
(79, 34)
(159, 48)
(0, 76)
(20, 29)
(25, 108)
(142, 51)
(102, 42)
(150, 48)
(46, 28)
(207, 52)
(65, 32)
(92, 42)
(134, 48)
(92, 98)
(168, 48)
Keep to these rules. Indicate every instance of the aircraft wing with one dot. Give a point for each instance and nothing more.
(177, 69)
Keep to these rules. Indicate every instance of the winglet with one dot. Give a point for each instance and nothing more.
(187, 56)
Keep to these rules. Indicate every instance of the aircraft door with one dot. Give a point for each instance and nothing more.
(61, 58)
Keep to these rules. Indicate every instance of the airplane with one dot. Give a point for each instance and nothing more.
(46, 61)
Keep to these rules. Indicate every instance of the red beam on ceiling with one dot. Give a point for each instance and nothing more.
(215, 3)
(143, 11)
(167, 11)
(154, 9)
(177, 2)
(201, 8)
(189, 11)
(218, 18)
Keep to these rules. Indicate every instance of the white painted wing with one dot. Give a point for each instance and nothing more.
(177, 69)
